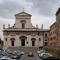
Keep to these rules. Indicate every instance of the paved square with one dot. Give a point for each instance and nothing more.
(25, 57)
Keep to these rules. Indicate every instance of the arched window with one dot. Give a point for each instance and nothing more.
(23, 22)
(23, 25)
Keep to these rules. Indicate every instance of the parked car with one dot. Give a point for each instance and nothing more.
(41, 51)
(30, 54)
(44, 55)
(51, 58)
(4, 58)
(47, 56)
(22, 53)
(1, 56)
(15, 55)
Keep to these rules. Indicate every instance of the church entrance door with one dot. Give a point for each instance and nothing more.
(23, 42)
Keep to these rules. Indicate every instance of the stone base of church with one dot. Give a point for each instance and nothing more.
(24, 49)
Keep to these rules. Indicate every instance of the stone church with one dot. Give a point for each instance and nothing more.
(24, 34)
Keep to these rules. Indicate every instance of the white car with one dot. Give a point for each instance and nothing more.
(4, 58)
(22, 53)
(43, 55)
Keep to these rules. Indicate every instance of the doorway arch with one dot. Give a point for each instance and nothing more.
(23, 40)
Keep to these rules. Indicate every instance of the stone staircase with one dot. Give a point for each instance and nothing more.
(24, 49)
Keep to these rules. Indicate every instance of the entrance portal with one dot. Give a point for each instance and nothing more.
(22, 42)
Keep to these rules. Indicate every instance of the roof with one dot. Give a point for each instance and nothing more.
(58, 11)
(23, 13)
(26, 29)
(53, 24)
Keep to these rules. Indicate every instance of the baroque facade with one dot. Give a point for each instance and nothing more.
(23, 33)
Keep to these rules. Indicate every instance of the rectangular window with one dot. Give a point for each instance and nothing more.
(33, 43)
(45, 44)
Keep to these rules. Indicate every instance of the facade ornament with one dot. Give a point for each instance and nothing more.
(8, 25)
(3, 26)
(36, 25)
(42, 26)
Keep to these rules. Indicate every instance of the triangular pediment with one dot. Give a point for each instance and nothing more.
(23, 14)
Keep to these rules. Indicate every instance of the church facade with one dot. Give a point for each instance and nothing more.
(23, 33)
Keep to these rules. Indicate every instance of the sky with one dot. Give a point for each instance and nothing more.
(42, 11)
